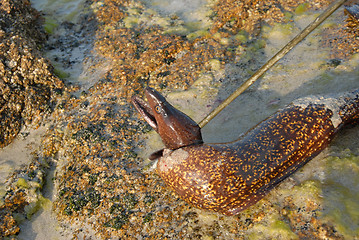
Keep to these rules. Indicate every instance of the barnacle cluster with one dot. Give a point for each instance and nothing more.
(27, 81)
(344, 39)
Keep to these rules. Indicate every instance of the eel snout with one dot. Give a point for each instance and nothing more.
(145, 110)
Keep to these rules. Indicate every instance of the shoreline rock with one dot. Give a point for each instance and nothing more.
(27, 82)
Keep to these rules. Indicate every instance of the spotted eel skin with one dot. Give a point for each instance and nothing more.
(230, 177)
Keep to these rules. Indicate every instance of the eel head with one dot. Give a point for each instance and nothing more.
(175, 128)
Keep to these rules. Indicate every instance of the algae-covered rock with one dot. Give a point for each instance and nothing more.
(26, 79)
(22, 197)
(26, 87)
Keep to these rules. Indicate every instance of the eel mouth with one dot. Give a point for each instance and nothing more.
(145, 110)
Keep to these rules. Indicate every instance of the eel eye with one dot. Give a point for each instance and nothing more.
(158, 109)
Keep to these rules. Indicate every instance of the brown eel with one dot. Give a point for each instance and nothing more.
(230, 177)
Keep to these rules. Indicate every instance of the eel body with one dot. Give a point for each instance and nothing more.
(229, 177)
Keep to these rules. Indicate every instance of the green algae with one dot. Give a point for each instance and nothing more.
(22, 183)
(207, 237)
(93, 179)
(196, 34)
(131, 21)
(312, 188)
(288, 16)
(35, 206)
(241, 37)
(50, 25)
(121, 210)
(309, 191)
(95, 6)
(78, 200)
(281, 226)
(61, 74)
(278, 31)
(342, 194)
(302, 8)
(194, 26)
(224, 41)
(149, 199)
(137, 16)
(134, 11)
(118, 221)
(129, 200)
(274, 228)
(178, 30)
(203, 80)
(148, 217)
(2, 195)
(257, 45)
(92, 132)
(353, 61)
(19, 217)
(215, 64)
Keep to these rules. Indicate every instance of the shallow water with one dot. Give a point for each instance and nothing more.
(303, 72)
(18, 153)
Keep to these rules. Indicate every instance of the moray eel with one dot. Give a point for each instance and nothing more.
(230, 177)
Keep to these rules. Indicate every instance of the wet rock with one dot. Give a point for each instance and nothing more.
(248, 15)
(344, 39)
(26, 78)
